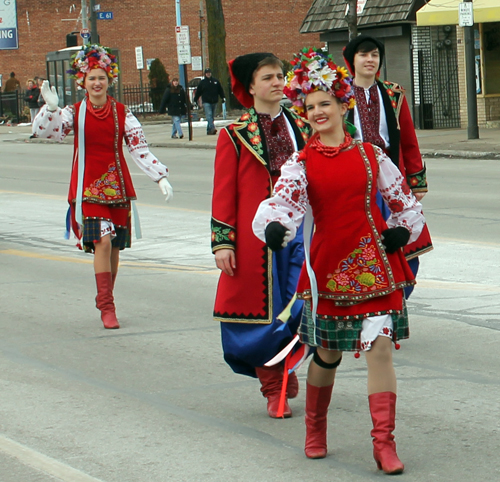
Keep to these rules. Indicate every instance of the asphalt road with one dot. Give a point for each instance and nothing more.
(154, 401)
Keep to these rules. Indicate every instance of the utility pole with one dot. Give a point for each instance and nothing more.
(470, 75)
(93, 23)
(85, 23)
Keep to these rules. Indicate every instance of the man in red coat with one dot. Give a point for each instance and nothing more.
(255, 285)
(382, 117)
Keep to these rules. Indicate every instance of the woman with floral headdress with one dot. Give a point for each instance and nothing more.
(101, 192)
(355, 271)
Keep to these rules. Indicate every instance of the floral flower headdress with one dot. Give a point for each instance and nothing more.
(93, 57)
(315, 70)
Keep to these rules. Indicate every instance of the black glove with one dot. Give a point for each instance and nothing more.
(275, 235)
(395, 238)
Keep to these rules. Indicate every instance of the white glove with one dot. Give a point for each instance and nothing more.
(286, 238)
(50, 96)
(166, 189)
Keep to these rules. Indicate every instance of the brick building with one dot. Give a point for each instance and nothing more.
(254, 25)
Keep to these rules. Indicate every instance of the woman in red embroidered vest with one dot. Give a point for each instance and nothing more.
(355, 270)
(101, 192)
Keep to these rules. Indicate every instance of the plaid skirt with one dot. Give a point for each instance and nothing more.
(92, 234)
(343, 335)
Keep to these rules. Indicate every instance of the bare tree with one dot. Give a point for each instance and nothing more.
(352, 18)
(217, 43)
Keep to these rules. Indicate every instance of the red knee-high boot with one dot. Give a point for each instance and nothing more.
(317, 402)
(271, 379)
(383, 412)
(104, 300)
(292, 389)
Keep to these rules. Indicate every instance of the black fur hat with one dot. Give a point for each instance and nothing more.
(353, 46)
(242, 69)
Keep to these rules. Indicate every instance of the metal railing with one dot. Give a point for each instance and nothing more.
(136, 101)
(13, 107)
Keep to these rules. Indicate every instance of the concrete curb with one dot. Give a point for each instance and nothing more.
(454, 154)
(426, 153)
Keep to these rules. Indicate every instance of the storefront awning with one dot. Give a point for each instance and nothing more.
(445, 12)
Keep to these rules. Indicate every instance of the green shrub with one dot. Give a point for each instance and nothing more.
(158, 82)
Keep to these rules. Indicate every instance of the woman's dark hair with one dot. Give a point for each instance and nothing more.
(175, 89)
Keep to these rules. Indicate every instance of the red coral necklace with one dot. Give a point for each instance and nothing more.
(100, 111)
(331, 151)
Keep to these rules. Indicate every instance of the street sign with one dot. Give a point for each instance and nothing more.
(183, 54)
(8, 26)
(104, 15)
(465, 14)
(182, 35)
(85, 33)
(139, 59)
(196, 63)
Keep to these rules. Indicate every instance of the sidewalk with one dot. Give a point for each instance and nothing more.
(433, 143)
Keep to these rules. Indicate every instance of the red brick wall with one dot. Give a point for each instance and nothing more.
(251, 26)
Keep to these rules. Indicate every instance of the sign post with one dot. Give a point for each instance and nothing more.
(184, 58)
(139, 60)
(466, 19)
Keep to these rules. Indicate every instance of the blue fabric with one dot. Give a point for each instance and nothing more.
(209, 114)
(176, 126)
(248, 345)
(413, 263)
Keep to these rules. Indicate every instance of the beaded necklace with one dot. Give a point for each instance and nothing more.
(100, 111)
(330, 151)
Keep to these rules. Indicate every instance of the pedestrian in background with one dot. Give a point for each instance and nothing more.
(31, 97)
(11, 87)
(12, 83)
(41, 100)
(101, 192)
(174, 99)
(209, 90)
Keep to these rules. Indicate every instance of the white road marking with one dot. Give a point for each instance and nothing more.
(43, 463)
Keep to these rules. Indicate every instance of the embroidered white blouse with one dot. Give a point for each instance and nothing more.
(58, 124)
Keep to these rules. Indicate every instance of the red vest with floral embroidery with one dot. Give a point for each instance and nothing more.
(107, 178)
(354, 274)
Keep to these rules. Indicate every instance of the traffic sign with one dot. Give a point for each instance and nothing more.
(183, 54)
(139, 59)
(182, 35)
(104, 15)
(465, 14)
(85, 33)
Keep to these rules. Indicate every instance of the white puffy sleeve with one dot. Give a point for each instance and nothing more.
(289, 201)
(54, 125)
(406, 211)
(138, 148)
